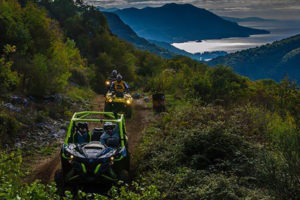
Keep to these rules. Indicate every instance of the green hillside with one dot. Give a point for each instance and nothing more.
(273, 61)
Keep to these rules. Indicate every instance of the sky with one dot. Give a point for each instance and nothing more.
(270, 9)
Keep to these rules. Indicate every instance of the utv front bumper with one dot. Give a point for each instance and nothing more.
(86, 172)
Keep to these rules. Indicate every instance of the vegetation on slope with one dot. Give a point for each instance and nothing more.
(41, 58)
(227, 138)
(208, 152)
(103, 51)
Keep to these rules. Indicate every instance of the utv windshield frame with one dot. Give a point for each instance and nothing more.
(112, 117)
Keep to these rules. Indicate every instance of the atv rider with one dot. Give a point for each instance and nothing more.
(111, 79)
(119, 86)
(110, 137)
(113, 76)
(82, 133)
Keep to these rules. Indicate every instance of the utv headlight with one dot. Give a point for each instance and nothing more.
(111, 160)
(110, 100)
(107, 83)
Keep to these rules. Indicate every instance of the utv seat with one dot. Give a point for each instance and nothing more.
(76, 137)
(96, 134)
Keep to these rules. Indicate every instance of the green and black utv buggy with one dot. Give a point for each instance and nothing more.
(91, 161)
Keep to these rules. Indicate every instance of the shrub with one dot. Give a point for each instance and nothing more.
(9, 128)
(8, 78)
(13, 187)
(197, 152)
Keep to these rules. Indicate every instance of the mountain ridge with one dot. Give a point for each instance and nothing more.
(123, 31)
(274, 60)
(181, 22)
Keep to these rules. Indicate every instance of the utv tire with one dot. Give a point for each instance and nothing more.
(60, 182)
(124, 176)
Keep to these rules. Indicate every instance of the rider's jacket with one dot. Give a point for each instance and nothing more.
(112, 78)
(119, 86)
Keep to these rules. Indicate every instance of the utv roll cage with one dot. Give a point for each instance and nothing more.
(89, 116)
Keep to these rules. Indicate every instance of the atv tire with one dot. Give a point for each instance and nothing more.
(128, 112)
(107, 107)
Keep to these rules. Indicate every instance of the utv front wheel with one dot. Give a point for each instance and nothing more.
(59, 180)
(124, 176)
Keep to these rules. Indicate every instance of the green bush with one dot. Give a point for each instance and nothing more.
(8, 78)
(44, 58)
(9, 128)
(186, 183)
(79, 77)
(244, 152)
(13, 187)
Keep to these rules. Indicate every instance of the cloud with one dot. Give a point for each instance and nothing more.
(264, 8)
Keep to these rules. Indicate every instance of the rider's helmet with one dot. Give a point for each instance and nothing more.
(83, 128)
(114, 73)
(119, 78)
(109, 128)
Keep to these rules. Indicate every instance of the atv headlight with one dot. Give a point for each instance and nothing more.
(110, 100)
(107, 83)
(128, 101)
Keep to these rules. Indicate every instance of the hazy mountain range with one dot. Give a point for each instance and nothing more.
(172, 22)
(180, 23)
(166, 50)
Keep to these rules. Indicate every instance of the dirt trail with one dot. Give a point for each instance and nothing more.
(134, 126)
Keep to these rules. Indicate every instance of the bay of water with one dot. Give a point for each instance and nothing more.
(279, 30)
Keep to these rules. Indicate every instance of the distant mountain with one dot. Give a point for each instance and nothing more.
(107, 9)
(181, 22)
(273, 61)
(124, 32)
(166, 50)
(248, 19)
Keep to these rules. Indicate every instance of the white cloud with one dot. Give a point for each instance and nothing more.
(240, 8)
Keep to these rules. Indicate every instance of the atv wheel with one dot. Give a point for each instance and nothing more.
(128, 112)
(59, 180)
(124, 176)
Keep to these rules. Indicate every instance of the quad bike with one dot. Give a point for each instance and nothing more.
(118, 103)
(92, 161)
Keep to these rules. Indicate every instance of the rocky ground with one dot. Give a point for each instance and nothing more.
(42, 124)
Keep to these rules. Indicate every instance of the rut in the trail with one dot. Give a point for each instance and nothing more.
(134, 126)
